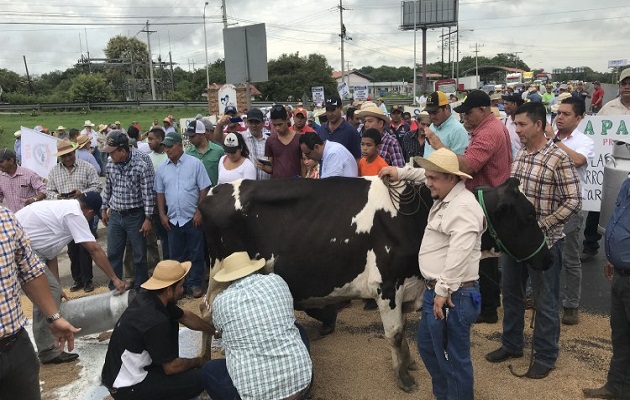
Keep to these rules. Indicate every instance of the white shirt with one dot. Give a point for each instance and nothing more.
(338, 161)
(580, 143)
(52, 224)
(614, 107)
(515, 141)
(93, 136)
(247, 170)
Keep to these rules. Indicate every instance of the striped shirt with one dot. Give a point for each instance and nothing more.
(19, 265)
(411, 147)
(130, 184)
(390, 150)
(82, 177)
(265, 356)
(256, 148)
(551, 183)
(23, 185)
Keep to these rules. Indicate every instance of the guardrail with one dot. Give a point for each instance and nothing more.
(138, 104)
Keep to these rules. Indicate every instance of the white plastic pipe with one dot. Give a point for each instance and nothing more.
(96, 313)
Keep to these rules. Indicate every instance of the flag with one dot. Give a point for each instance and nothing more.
(38, 151)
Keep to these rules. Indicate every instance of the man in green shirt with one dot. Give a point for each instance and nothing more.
(208, 152)
(547, 97)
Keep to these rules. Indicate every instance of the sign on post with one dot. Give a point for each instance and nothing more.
(318, 94)
(245, 49)
(617, 63)
(360, 92)
(343, 90)
(604, 131)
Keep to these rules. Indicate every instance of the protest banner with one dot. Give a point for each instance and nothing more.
(360, 92)
(38, 151)
(318, 94)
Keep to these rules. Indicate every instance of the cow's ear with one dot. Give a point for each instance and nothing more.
(513, 184)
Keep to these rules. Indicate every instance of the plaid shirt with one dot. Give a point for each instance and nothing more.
(551, 183)
(255, 316)
(256, 150)
(82, 177)
(23, 185)
(411, 147)
(19, 265)
(390, 150)
(130, 185)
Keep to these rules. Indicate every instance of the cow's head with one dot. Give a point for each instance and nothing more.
(513, 218)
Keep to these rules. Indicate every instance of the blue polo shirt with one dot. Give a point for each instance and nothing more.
(345, 134)
(181, 183)
(617, 239)
(452, 134)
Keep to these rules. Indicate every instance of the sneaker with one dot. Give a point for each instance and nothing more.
(89, 287)
(76, 287)
(570, 316)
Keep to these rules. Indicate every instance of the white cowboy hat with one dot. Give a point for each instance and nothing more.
(238, 265)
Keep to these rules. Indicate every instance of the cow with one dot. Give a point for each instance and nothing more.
(344, 238)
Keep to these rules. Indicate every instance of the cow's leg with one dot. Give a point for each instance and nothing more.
(327, 315)
(206, 339)
(394, 325)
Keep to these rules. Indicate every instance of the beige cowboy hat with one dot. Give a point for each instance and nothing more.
(554, 108)
(369, 109)
(64, 147)
(61, 128)
(82, 141)
(88, 123)
(441, 160)
(238, 265)
(166, 273)
(17, 134)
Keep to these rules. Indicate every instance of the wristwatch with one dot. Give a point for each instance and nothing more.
(53, 318)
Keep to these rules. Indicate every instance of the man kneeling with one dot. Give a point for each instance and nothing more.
(142, 360)
(265, 358)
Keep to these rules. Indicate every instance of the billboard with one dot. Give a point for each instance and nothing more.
(245, 49)
(429, 14)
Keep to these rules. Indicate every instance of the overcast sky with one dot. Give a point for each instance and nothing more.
(548, 34)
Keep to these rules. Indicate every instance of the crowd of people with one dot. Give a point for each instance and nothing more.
(154, 183)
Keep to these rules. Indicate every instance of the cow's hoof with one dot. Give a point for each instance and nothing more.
(327, 329)
(413, 366)
(408, 385)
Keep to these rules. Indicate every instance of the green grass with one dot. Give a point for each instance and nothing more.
(9, 123)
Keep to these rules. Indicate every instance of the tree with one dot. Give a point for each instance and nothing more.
(290, 76)
(385, 73)
(132, 55)
(90, 88)
(11, 81)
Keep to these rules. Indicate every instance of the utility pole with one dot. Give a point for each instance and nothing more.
(170, 60)
(342, 36)
(87, 48)
(225, 24)
(442, 46)
(415, 63)
(150, 59)
(477, 45)
(205, 41)
(28, 76)
(516, 58)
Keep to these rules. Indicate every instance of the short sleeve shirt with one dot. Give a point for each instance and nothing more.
(345, 134)
(287, 158)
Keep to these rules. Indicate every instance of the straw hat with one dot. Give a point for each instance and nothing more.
(166, 273)
(88, 123)
(441, 160)
(17, 134)
(238, 265)
(82, 140)
(369, 109)
(554, 108)
(61, 128)
(64, 147)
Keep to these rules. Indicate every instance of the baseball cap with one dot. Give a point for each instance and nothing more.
(397, 108)
(564, 86)
(300, 111)
(255, 114)
(208, 125)
(230, 143)
(436, 100)
(624, 74)
(230, 110)
(93, 200)
(195, 127)
(114, 140)
(333, 102)
(514, 98)
(171, 139)
(476, 98)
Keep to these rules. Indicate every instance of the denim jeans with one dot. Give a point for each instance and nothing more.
(618, 381)
(119, 230)
(489, 285)
(19, 370)
(451, 370)
(546, 297)
(571, 263)
(186, 244)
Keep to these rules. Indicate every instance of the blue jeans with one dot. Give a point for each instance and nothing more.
(119, 230)
(618, 379)
(185, 243)
(451, 373)
(546, 297)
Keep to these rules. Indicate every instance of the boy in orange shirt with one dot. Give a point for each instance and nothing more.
(370, 163)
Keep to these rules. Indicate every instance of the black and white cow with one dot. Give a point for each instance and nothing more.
(341, 238)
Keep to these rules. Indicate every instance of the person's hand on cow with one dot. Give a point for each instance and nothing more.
(164, 222)
(608, 271)
(438, 305)
(146, 227)
(197, 220)
(390, 172)
(104, 217)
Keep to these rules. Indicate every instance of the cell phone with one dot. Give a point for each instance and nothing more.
(264, 162)
(66, 195)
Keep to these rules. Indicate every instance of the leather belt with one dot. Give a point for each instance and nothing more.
(8, 341)
(622, 272)
(430, 284)
(130, 211)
